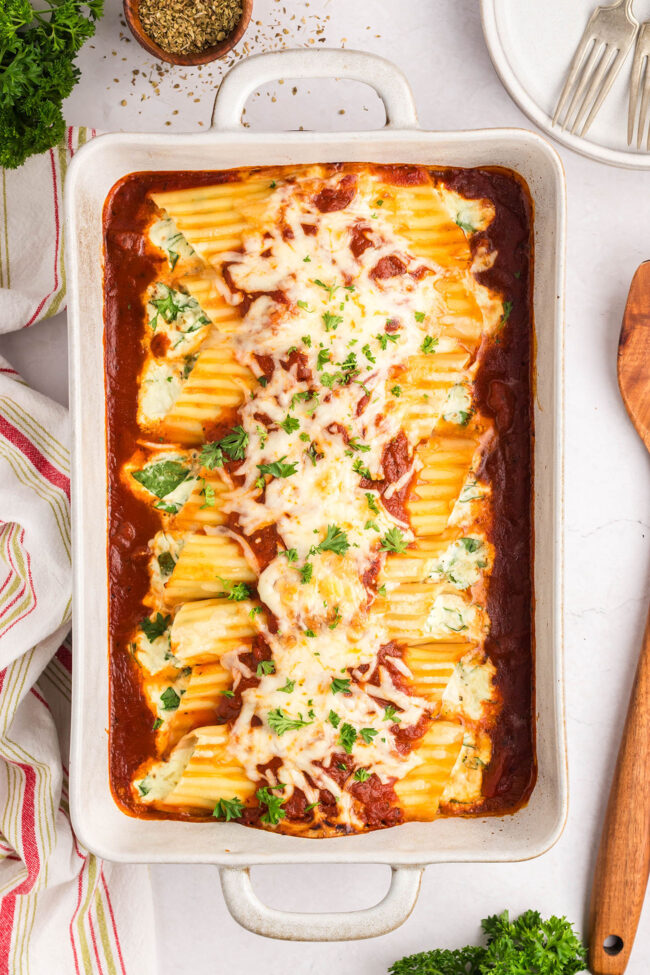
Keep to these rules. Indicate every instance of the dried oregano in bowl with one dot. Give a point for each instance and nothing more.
(189, 26)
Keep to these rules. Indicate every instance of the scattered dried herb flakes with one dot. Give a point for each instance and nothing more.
(189, 26)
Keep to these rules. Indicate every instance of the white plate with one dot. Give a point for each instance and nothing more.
(531, 45)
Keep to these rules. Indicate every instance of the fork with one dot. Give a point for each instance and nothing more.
(640, 77)
(605, 43)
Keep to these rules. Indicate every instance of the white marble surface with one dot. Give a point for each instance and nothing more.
(439, 45)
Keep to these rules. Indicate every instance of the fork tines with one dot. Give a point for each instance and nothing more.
(640, 83)
(598, 59)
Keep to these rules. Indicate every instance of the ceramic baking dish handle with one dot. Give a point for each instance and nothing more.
(249, 911)
(247, 76)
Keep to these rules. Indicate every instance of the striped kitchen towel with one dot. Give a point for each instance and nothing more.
(62, 910)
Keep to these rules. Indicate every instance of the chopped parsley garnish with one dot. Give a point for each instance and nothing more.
(157, 724)
(274, 811)
(169, 699)
(309, 633)
(306, 340)
(233, 444)
(236, 590)
(277, 468)
(360, 468)
(228, 809)
(290, 424)
(323, 358)
(420, 316)
(304, 437)
(372, 504)
(333, 719)
(368, 734)
(368, 354)
(429, 345)
(347, 737)
(288, 687)
(362, 774)
(227, 693)
(272, 184)
(335, 541)
(349, 364)
(381, 590)
(265, 667)
(304, 305)
(305, 394)
(330, 288)
(340, 685)
(394, 541)
(279, 722)
(312, 805)
(391, 714)
(306, 260)
(162, 478)
(371, 526)
(396, 390)
(255, 611)
(166, 563)
(385, 337)
(263, 381)
(306, 572)
(155, 627)
(356, 444)
(331, 322)
(291, 554)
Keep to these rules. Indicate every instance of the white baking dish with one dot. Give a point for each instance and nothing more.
(99, 823)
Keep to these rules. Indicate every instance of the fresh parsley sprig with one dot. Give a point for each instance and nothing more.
(529, 944)
(38, 45)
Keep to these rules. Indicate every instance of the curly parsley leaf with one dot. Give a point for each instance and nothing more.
(306, 572)
(233, 444)
(331, 322)
(236, 590)
(265, 667)
(278, 469)
(347, 737)
(394, 541)
(279, 722)
(335, 541)
(340, 685)
(274, 811)
(228, 809)
(529, 944)
(290, 424)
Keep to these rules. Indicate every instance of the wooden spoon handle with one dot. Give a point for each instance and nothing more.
(623, 862)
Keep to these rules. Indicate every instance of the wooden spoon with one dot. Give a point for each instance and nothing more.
(623, 863)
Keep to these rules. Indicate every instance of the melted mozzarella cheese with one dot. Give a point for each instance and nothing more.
(316, 429)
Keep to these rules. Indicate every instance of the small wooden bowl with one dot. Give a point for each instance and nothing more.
(131, 12)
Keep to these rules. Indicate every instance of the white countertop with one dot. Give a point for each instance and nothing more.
(439, 45)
